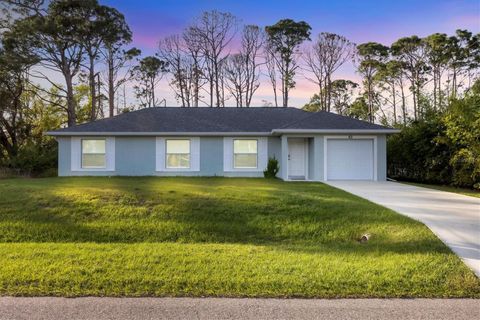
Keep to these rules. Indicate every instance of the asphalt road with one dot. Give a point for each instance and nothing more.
(220, 308)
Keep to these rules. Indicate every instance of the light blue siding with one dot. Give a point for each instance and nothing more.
(64, 161)
(211, 156)
(381, 158)
(274, 147)
(135, 156)
(311, 158)
(318, 158)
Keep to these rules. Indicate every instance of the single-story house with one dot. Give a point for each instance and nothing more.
(232, 142)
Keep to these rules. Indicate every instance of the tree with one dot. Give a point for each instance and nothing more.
(13, 85)
(464, 57)
(328, 53)
(194, 52)
(105, 33)
(341, 93)
(314, 105)
(437, 56)
(412, 51)
(284, 39)
(183, 62)
(360, 109)
(53, 40)
(235, 74)
(242, 69)
(462, 128)
(390, 78)
(147, 74)
(371, 56)
(214, 31)
(119, 66)
(91, 38)
(272, 70)
(253, 39)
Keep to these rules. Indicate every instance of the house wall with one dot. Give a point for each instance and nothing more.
(136, 156)
(381, 157)
(316, 149)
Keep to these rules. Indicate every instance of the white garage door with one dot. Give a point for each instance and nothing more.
(350, 159)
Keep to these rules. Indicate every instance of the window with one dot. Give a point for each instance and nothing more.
(93, 153)
(177, 154)
(244, 154)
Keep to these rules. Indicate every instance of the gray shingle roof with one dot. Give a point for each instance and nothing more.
(327, 120)
(202, 120)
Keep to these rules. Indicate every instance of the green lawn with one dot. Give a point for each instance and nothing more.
(464, 191)
(214, 237)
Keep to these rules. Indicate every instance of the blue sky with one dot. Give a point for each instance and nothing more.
(360, 21)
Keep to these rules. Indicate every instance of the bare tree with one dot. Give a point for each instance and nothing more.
(119, 64)
(328, 53)
(314, 61)
(194, 51)
(242, 69)
(236, 76)
(117, 60)
(214, 30)
(183, 62)
(272, 71)
(171, 51)
(253, 39)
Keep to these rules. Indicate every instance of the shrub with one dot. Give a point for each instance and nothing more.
(272, 168)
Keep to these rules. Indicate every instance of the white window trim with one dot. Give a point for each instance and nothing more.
(256, 155)
(358, 137)
(81, 153)
(76, 154)
(161, 154)
(228, 155)
(189, 154)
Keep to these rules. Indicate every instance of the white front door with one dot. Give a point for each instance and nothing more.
(296, 159)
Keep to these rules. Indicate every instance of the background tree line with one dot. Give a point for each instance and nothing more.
(65, 62)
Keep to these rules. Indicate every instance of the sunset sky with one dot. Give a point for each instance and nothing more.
(359, 21)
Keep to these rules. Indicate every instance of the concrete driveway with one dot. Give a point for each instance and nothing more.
(454, 218)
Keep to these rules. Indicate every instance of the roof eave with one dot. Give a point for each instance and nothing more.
(122, 133)
(336, 131)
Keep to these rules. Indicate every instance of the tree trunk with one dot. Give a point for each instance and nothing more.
(439, 90)
(328, 92)
(414, 100)
(404, 111)
(93, 93)
(217, 85)
(394, 103)
(152, 86)
(275, 94)
(111, 87)
(435, 88)
(71, 112)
